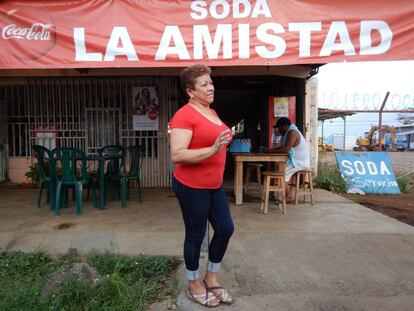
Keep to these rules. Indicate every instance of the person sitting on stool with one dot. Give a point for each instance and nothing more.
(295, 144)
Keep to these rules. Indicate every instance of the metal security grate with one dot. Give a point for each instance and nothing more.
(88, 113)
(3, 140)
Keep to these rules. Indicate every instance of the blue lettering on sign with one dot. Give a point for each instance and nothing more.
(370, 172)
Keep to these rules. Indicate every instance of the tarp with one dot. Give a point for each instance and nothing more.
(121, 33)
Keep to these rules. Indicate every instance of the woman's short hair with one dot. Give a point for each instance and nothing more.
(189, 75)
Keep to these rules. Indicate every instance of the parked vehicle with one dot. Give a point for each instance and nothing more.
(370, 142)
(402, 142)
(323, 146)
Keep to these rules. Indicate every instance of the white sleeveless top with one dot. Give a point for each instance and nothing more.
(302, 157)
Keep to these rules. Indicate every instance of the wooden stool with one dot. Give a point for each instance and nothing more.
(304, 180)
(278, 187)
(249, 167)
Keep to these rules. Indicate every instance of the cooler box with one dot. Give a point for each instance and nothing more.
(240, 145)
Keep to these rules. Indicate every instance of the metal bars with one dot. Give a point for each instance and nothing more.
(88, 113)
(3, 139)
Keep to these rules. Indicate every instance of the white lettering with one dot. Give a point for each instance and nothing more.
(305, 30)
(345, 44)
(365, 37)
(202, 34)
(37, 31)
(244, 40)
(358, 182)
(348, 167)
(120, 34)
(276, 41)
(240, 9)
(199, 7)
(237, 13)
(261, 7)
(359, 167)
(384, 169)
(372, 168)
(214, 12)
(80, 48)
(172, 33)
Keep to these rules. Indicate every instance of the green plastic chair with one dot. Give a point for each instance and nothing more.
(42, 155)
(69, 158)
(113, 166)
(130, 170)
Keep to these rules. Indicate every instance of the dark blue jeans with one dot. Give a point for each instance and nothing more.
(198, 206)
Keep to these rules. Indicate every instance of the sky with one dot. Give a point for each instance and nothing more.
(363, 85)
(369, 79)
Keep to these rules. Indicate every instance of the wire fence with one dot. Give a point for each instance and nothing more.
(366, 100)
(359, 132)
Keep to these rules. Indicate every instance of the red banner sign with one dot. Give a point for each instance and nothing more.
(121, 33)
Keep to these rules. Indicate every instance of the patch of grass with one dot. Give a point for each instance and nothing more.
(126, 283)
(405, 183)
(329, 179)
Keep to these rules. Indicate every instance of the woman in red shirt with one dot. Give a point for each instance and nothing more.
(198, 148)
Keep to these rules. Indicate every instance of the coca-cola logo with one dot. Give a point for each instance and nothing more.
(37, 31)
(29, 32)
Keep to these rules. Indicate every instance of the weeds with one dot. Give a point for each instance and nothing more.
(328, 178)
(405, 183)
(126, 283)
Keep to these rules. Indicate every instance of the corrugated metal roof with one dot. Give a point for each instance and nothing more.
(326, 114)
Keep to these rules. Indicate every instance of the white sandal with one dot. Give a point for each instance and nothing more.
(223, 295)
(203, 299)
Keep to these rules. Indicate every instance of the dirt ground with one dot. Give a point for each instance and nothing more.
(400, 207)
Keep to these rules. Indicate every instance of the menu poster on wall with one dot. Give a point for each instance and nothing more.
(281, 107)
(145, 109)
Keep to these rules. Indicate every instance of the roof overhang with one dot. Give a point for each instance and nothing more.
(326, 114)
(293, 71)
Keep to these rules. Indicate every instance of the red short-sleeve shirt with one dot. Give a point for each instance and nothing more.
(207, 174)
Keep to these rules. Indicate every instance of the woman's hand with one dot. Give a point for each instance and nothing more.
(180, 140)
(223, 139)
